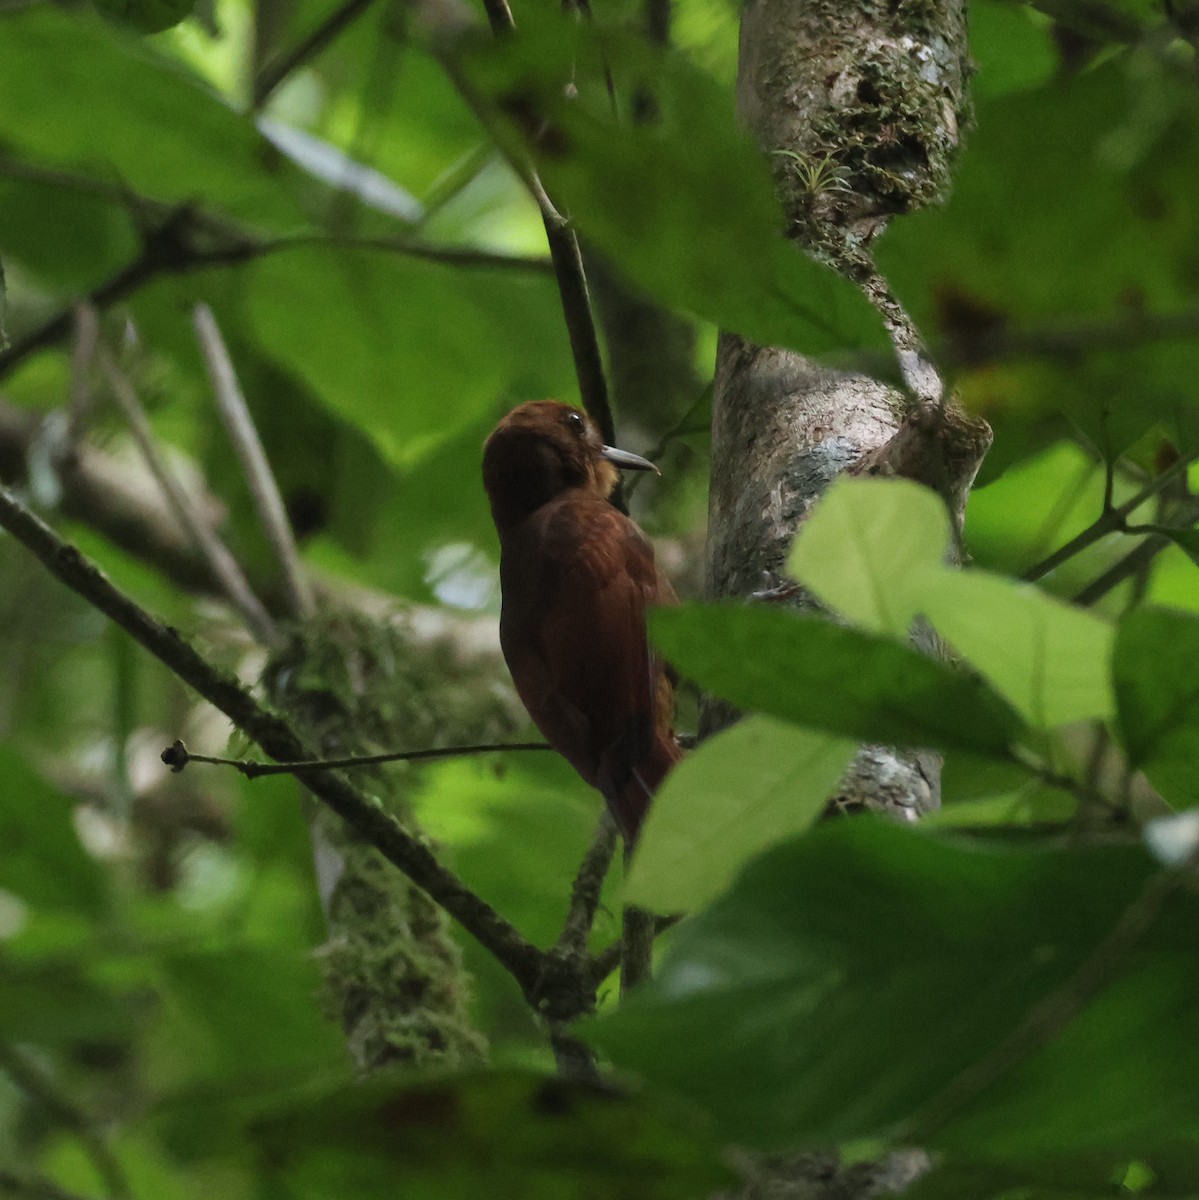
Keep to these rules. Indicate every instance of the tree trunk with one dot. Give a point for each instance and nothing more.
(867, 100)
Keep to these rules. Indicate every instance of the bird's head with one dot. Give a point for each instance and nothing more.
(542, 449)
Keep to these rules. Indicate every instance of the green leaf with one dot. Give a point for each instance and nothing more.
(166, 135)
(650, 194)
(146, 16)
(1049, 659)
(1157, 692)
(1186, 539)
(865, 546)
(43, 861)
(741, 791)
(382, 339)
(824, 676)
(857, 974)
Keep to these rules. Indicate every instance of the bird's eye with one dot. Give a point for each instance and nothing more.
(576, 422)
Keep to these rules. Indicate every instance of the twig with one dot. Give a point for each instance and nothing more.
(224, 566)
(565, 255)
(588, 883)
(33, 1080)
(1110, 520)
(169, 251)
(638, 930)
(33, 1187)
(1137, 559)
(276, 737)
(177, 756)
(608, 959)
(231, 404)
(83, 351)
(276, 71)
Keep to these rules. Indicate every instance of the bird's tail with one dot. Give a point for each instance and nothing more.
(629, 802)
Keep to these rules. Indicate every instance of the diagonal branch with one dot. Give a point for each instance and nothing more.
(276, 737)
(585, 892)
(1111, 520)
(224, 566)
(268, 503)
(279, 69)
(32, 1079)
(563, 244)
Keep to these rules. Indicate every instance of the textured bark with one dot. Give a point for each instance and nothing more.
(394, 975)
(866, 101)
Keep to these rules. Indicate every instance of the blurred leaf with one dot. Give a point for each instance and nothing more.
(1187, 539)
(825, 676)
(1102, 20)
(1157, 691)
(165, 135)
(382, 339)
(1012, 51)
(42, 860)
(1049, 659)
(855, 974)
(59, 1005)
(1069, 212)
(146, 16)
(247, 1013)
(500, 1134)
(866, 544)
(649, 195)
(741, 791)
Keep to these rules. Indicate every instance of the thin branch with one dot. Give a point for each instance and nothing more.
(588, 883)
(83, 352)
(1139, 558)
(37, 1084)
(1110, 520)
(276, 737)
(224, 566)
(275, 72)
(268, 503)
(608, 959)
(171, 249)
(565, 255)
(638, 930)
(177, 756)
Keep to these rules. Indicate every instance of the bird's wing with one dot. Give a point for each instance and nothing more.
(574, 634)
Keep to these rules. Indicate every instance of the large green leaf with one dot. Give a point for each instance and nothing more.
(868, 547)
(741, 791)
(1049, 659)
(685, 205)
(1156, 673)
(870, 981)
(165, 135)
(826, 676)
(411, 352)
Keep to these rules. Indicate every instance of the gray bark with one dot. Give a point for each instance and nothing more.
(867, 100)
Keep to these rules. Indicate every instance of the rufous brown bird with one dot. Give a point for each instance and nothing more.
(576, 577)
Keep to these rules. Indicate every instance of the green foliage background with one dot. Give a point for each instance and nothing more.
(1015, 986)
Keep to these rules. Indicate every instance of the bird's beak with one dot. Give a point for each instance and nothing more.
(629, 462)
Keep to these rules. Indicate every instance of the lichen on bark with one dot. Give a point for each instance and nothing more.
(394, 976)
(860, 107)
